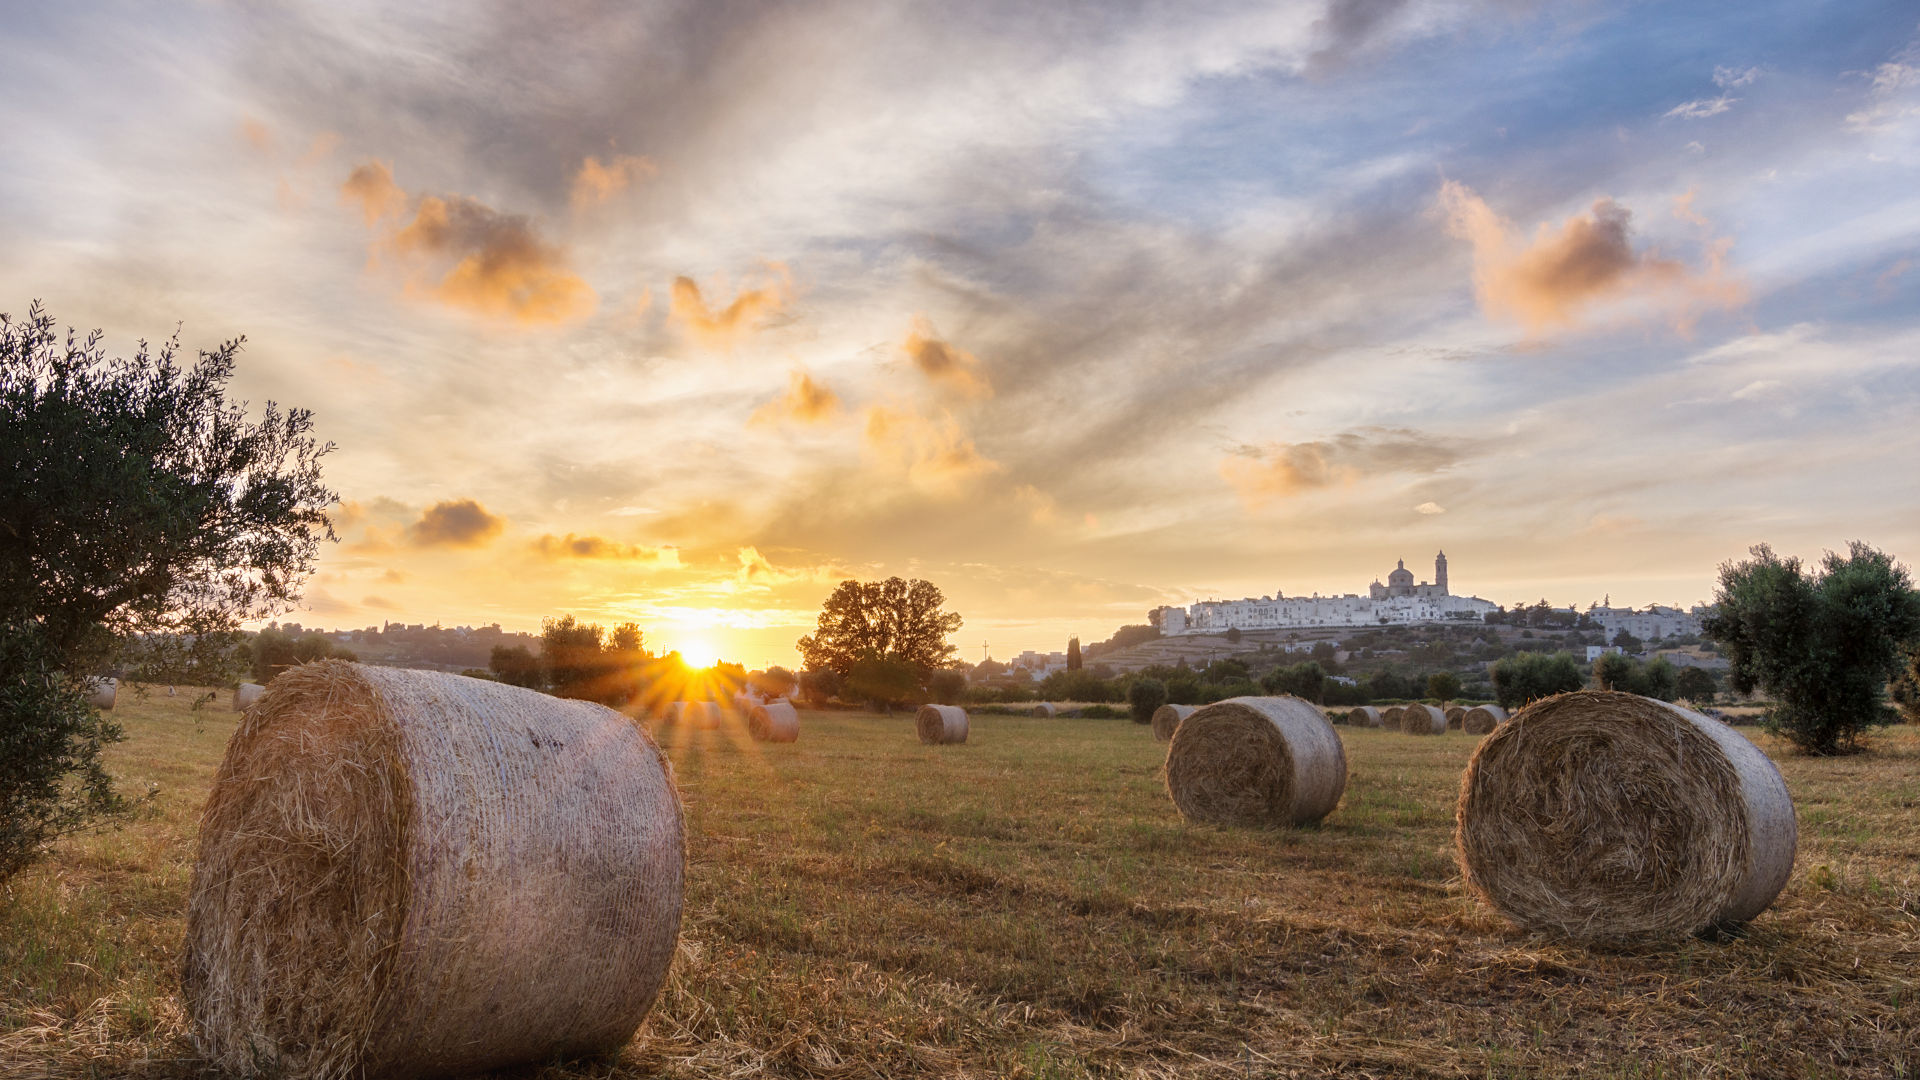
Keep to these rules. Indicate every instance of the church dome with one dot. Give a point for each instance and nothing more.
(1401, 576)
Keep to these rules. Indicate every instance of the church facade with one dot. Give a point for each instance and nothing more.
(1399, 601)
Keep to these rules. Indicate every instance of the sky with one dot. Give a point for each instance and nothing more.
(682, 313)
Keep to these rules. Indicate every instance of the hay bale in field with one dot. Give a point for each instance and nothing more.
(411, 874)
(1482, 719)
(101, 692)
(246, 694)
(675, 714)
(1422, 720)
(1456, 715)
(1364, 716)
(1615, 819)
(774, 722)
(1390, 716)
(702, 715)
(1167, 718)
(1046, 710)
(1256, 761)
(941, 724)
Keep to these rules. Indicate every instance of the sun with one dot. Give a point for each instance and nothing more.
(698, 653)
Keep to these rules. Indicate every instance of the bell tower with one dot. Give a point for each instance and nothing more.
(1440, 572)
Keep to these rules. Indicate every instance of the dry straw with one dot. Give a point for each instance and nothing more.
(1483, 719)
(1616, 819)
(1364, 716)
(939, 724)
(1167, 718)
(1046, 710)
(702, 715)
(101, 692)
(1422, 720)
(246, 694)
(414, 874)
(1390, 716)
(774, 722)
(1455, 717)
(1267, 761)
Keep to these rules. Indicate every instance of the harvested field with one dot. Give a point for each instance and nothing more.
(860, 905)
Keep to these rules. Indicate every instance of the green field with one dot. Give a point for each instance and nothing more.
(1029, 905)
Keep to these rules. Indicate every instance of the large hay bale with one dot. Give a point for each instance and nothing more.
(1422, 720)
(1046, 710)
(1390, 716)
(940, 724)
(1482, 719)
(1167, 718)
(675, 714)
(1256, 761)
(702, 715)
(774, 722)
(1611, 818)
(246, 694)
(1364, 716)
(101, 692)
(1456, 716)
(414, 874)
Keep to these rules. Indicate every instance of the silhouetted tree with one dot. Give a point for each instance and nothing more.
(1144, 698)
(887, 620)
(1073, 654)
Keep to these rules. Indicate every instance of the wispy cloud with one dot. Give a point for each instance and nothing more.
(1701, 108)
(805, 401)
(750, 309)
(459, 523)
(1283, 470)
(598, 182)
(945, 363)
(572, 546)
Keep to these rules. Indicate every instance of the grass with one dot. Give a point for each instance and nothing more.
(1029, 905)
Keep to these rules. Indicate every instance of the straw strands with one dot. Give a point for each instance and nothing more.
(408, 873)
(1264, 761)
(1046, 710)
(1390, 716)
(941, 724)
(776, 721)
(246, 694)
(101, 692)
(1364, 716)
(1482, 719)
(1615, 819)
(1167, 717)
(1422, 720)
(1455, 716)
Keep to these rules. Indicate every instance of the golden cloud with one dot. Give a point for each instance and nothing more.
(1282, 470)
(749, 310)
(571, 546)
(943, 362)
(370, 186)
(938, 455)
(1555, 278)
(596, 183)
(455, 523)
(501, 267)
(257, 135)
(805, 401)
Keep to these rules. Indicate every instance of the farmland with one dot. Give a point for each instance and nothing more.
(1030, 905)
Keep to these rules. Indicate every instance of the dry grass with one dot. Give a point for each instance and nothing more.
(862, 906)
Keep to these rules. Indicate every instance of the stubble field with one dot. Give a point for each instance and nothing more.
(1029, 905)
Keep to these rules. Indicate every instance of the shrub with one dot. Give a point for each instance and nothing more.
(1528, 676)
(1103, 712)
(51, 779)
(1144, 697)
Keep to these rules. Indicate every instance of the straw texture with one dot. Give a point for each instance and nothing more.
(1455, 716)
(1166, 718)
(774, 722)
(701, 715)
(1364, 716)
(1262, 761)
(101, 693)
(414, 874)
(1482, 719)
(1390, 716)
(1422, 720)
(1046, 710)
(1615, 819)
(940, 724)
(246, 694)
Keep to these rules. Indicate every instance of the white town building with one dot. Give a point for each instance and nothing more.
(1399, 601)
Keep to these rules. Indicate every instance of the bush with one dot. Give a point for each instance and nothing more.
(1102, 712)
(947, 686)
(1695, 685)
(51, 779)
(1144, 698)
(1443, 686)
(1306, 681)
(1528, 676)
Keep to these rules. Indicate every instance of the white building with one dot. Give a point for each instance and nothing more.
(1654, 623)
(1399, 602)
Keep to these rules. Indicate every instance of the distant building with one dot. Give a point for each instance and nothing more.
(1654, 623)
(1595, 652)
(1400, 601)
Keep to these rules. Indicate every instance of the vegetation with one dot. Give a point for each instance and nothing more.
(1823, 641)
(273, 650)
(891, 620)
(1144, 698)
(1906, 687)
(1307, 681)
(1526, 676)
(138, 503)
(1656, 678)
(1695, 685)
(1443, 686)
(1073, 654)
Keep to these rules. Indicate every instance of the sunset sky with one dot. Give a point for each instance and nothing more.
(682, 314)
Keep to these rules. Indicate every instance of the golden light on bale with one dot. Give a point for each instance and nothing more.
(1456, 715)
(703, 715)
(101, 692)
(246, 694)
(1260, 761)
(941, 724)
(1167, 718)
(1364, 716)
(1422, 720)
(415, 874)
(1046, 710)
(1616, 819)
(1390, 716)
(676, 713)
(775, 722)
(1482, 719)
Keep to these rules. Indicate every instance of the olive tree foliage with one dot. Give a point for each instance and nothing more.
(1144, 698)
(135, 501)
(892, 620)
(1530, 676)
(1822, 641)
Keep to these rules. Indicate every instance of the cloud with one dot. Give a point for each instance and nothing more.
(1759, 388)
(1347, 27)
(806, 401)
(750, 309)
(1700, 108)
(571, 546)
(1282, 470)
(379, 602)
(940, 458)
(499, 265)
(257, 135)
(1888, 102)
(455, 523)
(596, 183)
(1429, 507)
(943, 362)
(393, 577)
(1556, 277)
(370, 186)
(1727, 78)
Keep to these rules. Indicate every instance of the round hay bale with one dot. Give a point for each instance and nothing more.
(1422, 720)
(703, 715)
(1364, 716)
(1268, 761)
(1390, 716)
(1166, 719)
(1615, 819)
(1046, 710)
(1455, 716)
(676, 713)
(409, 873)
(941, 724)
(246, 694)
(101, 692)
(1482, 719)
(775, 722)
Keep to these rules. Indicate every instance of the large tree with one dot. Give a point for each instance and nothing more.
(888, 620)
(135, 500)
(1822, 641)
